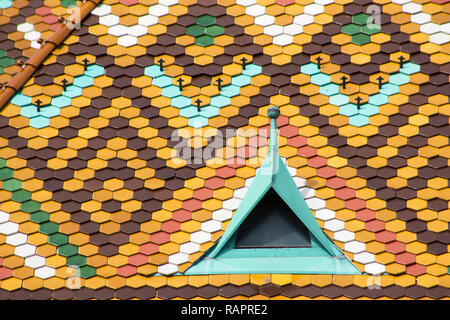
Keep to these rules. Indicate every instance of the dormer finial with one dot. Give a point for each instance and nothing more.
(273, 112)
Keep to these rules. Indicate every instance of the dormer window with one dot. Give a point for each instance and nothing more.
(273, 229)
(272, 224)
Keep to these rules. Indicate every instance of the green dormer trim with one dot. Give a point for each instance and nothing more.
(323, 257)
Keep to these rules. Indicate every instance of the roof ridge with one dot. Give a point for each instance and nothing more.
(34, 62)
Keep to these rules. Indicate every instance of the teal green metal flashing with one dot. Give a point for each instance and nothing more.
(323, 257)
(315, 250)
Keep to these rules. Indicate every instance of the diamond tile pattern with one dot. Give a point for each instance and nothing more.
(89, 189)
(22, 24)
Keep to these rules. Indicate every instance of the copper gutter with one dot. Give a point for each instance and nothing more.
(34, 62)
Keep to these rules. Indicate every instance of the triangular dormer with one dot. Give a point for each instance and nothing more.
(273, 229)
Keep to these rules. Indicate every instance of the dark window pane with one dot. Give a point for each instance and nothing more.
(272, 224)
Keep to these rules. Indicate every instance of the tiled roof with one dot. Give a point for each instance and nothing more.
(22, 24)
(89, 181)
(76, 14)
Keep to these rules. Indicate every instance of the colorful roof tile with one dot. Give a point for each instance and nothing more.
(95, 201)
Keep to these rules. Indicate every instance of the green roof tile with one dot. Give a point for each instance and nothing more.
(21, 195)
(360, 38)
(215, 30)
(371, 29)
(351, 29)
(76, 260)
(206, 20)
(40, 217)
(204, 40)
(49, 227)
(30, 206)
(195, 30)
(68, 250)
(6, 173)
(360, 18)
(6, 61)
(58, 239)
(87, 272)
